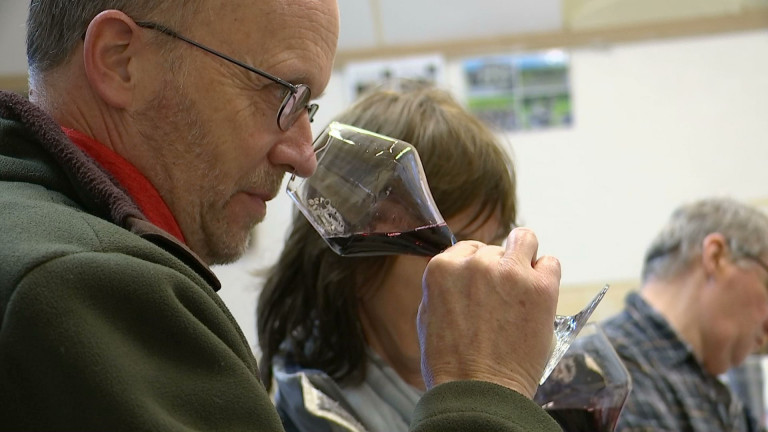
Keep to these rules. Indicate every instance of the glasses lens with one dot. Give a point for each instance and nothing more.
(293, 106)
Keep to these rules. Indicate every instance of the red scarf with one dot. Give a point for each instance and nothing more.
(138, 187)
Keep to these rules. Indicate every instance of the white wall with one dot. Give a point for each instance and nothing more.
(13, 15)
(656, 124)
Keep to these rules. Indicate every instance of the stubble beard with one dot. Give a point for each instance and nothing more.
(227, 243)
(185, 149)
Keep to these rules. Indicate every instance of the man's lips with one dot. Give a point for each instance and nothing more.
(259, 199)
(263, 196)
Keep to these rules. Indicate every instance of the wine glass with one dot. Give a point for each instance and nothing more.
(369, 196)
(588, 387)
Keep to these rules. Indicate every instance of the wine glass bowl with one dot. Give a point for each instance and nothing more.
(567, 328)
(369, 196)
(589, 385)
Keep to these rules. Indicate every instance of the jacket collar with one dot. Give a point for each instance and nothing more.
(668, 349)
(313, 401)
(94, 188)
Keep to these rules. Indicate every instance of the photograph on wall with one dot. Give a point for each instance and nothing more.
(362, 76)
(520, 92)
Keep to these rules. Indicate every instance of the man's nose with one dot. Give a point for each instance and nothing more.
(294, 152)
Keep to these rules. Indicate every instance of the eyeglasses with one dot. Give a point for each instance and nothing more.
(295, 101)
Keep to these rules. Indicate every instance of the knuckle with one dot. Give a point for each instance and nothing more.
(439, 263)
(555, 261)
(525, 232)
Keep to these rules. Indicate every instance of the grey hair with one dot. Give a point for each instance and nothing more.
(56, 27)
(680, 241)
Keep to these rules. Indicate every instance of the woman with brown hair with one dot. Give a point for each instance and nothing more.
(338, 334)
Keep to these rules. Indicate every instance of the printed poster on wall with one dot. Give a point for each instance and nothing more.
(399, 72)
(520, 92)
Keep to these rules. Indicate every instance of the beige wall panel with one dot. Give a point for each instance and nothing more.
(594, 14)
(16, 83)
(574, 297)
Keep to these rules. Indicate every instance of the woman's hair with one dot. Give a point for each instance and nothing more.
(679, 242)
(308, 309)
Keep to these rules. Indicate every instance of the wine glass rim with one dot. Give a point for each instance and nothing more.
(334, 129)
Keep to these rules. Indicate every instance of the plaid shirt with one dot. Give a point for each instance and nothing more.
(671, 392)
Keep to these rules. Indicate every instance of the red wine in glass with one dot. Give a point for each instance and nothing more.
(588, 387)
(426, 241)
(585, 419)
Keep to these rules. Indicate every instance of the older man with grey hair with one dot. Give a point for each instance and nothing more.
(702, 309)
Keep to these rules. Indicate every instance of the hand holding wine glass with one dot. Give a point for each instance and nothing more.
(487, 313)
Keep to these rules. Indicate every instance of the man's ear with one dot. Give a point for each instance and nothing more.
(110, 45)
(714, 250)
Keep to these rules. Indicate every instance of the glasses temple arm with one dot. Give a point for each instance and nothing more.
(169, 32)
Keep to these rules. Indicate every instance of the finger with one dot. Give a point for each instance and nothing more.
(549, 267)
(522, 244)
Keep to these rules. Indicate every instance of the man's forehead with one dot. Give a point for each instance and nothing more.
(265, 17)
(293, 39)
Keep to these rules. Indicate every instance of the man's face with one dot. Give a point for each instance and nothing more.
(753, 321)
(219, 154)
(738, 319)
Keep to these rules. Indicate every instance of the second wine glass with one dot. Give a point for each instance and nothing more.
(589, 386)
(369, 196)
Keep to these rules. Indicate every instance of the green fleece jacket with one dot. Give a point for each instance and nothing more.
(107, 323)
